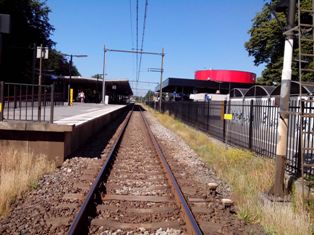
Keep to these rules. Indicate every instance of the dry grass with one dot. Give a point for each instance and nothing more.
(248, 176)
(18, 173)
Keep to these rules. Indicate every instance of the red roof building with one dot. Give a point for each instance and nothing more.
(228, 76)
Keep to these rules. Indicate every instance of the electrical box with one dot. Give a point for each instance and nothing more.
(42, 52)
(4, 23)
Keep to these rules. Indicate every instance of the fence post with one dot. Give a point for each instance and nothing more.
(207, 121)
(300, 156)
(14, 97)
(224, 121)
(1, 100)
(52, 91)
(251, 125)
(39, 104)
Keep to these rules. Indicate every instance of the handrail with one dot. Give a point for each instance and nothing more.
(21, 102)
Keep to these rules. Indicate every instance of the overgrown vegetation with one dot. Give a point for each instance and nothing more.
(18, 173)
(266, 42)
(30, 27)
(248, 175)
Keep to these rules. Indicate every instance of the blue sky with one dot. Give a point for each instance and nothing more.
(196, 34)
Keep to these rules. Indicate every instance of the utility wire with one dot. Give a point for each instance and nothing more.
(142, 43)
(132, 31)
(136, 37)
(131, 23)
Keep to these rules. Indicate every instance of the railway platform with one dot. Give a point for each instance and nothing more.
(72, 126)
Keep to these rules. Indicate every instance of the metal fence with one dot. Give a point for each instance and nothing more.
(253, 125)
(27, 102)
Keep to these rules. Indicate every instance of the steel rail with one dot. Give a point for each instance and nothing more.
(192, 225)
(81, 215)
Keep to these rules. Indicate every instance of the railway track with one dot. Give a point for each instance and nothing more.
(135, 190)
(120, 183)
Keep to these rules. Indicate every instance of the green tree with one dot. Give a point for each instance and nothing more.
(59, 65)
(266, 43)
(149, 95)
(29, 26)
(98, 76)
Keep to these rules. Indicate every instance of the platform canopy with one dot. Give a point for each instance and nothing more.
(238, 92)
(268, 91)
(253, 91)
(307, 88)
(190, 86)
(121, 87)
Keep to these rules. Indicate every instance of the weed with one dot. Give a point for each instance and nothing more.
(248, 176)
(18, 173)
(34, 185)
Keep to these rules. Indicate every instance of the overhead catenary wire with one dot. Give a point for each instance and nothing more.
(132, 81)
(141, 89)
(138, 50)
(131, 23)
(136, 38)
(132, 30)
(142, 42)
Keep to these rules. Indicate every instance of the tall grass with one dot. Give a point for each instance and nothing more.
(249, 176)
(18, 173)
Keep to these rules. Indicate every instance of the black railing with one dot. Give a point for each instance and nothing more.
(253, 126)
(27, 102)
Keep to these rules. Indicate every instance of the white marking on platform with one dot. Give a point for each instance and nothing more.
(91, 110)
(82, 118)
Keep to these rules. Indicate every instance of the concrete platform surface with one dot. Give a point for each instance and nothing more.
(64, 116)
(72, 127)
(80, 113)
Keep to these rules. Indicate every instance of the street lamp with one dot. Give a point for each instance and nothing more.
(103, 95)
(70, 71)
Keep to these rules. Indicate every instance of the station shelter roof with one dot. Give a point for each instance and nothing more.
(238, 92)
(307, 88)
(190, 86)
(259, 91)
(121, 87)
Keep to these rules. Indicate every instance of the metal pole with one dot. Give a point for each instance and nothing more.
(251, 125)
(40, 65)
(52, 90)
(40, 82)
(103, 78)
(97, 78)
(34, 63)
(1, 49)
(70, 77)
(1, 100)
(161, 73)
(135, 52)
(278, 189)
(222, 112)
